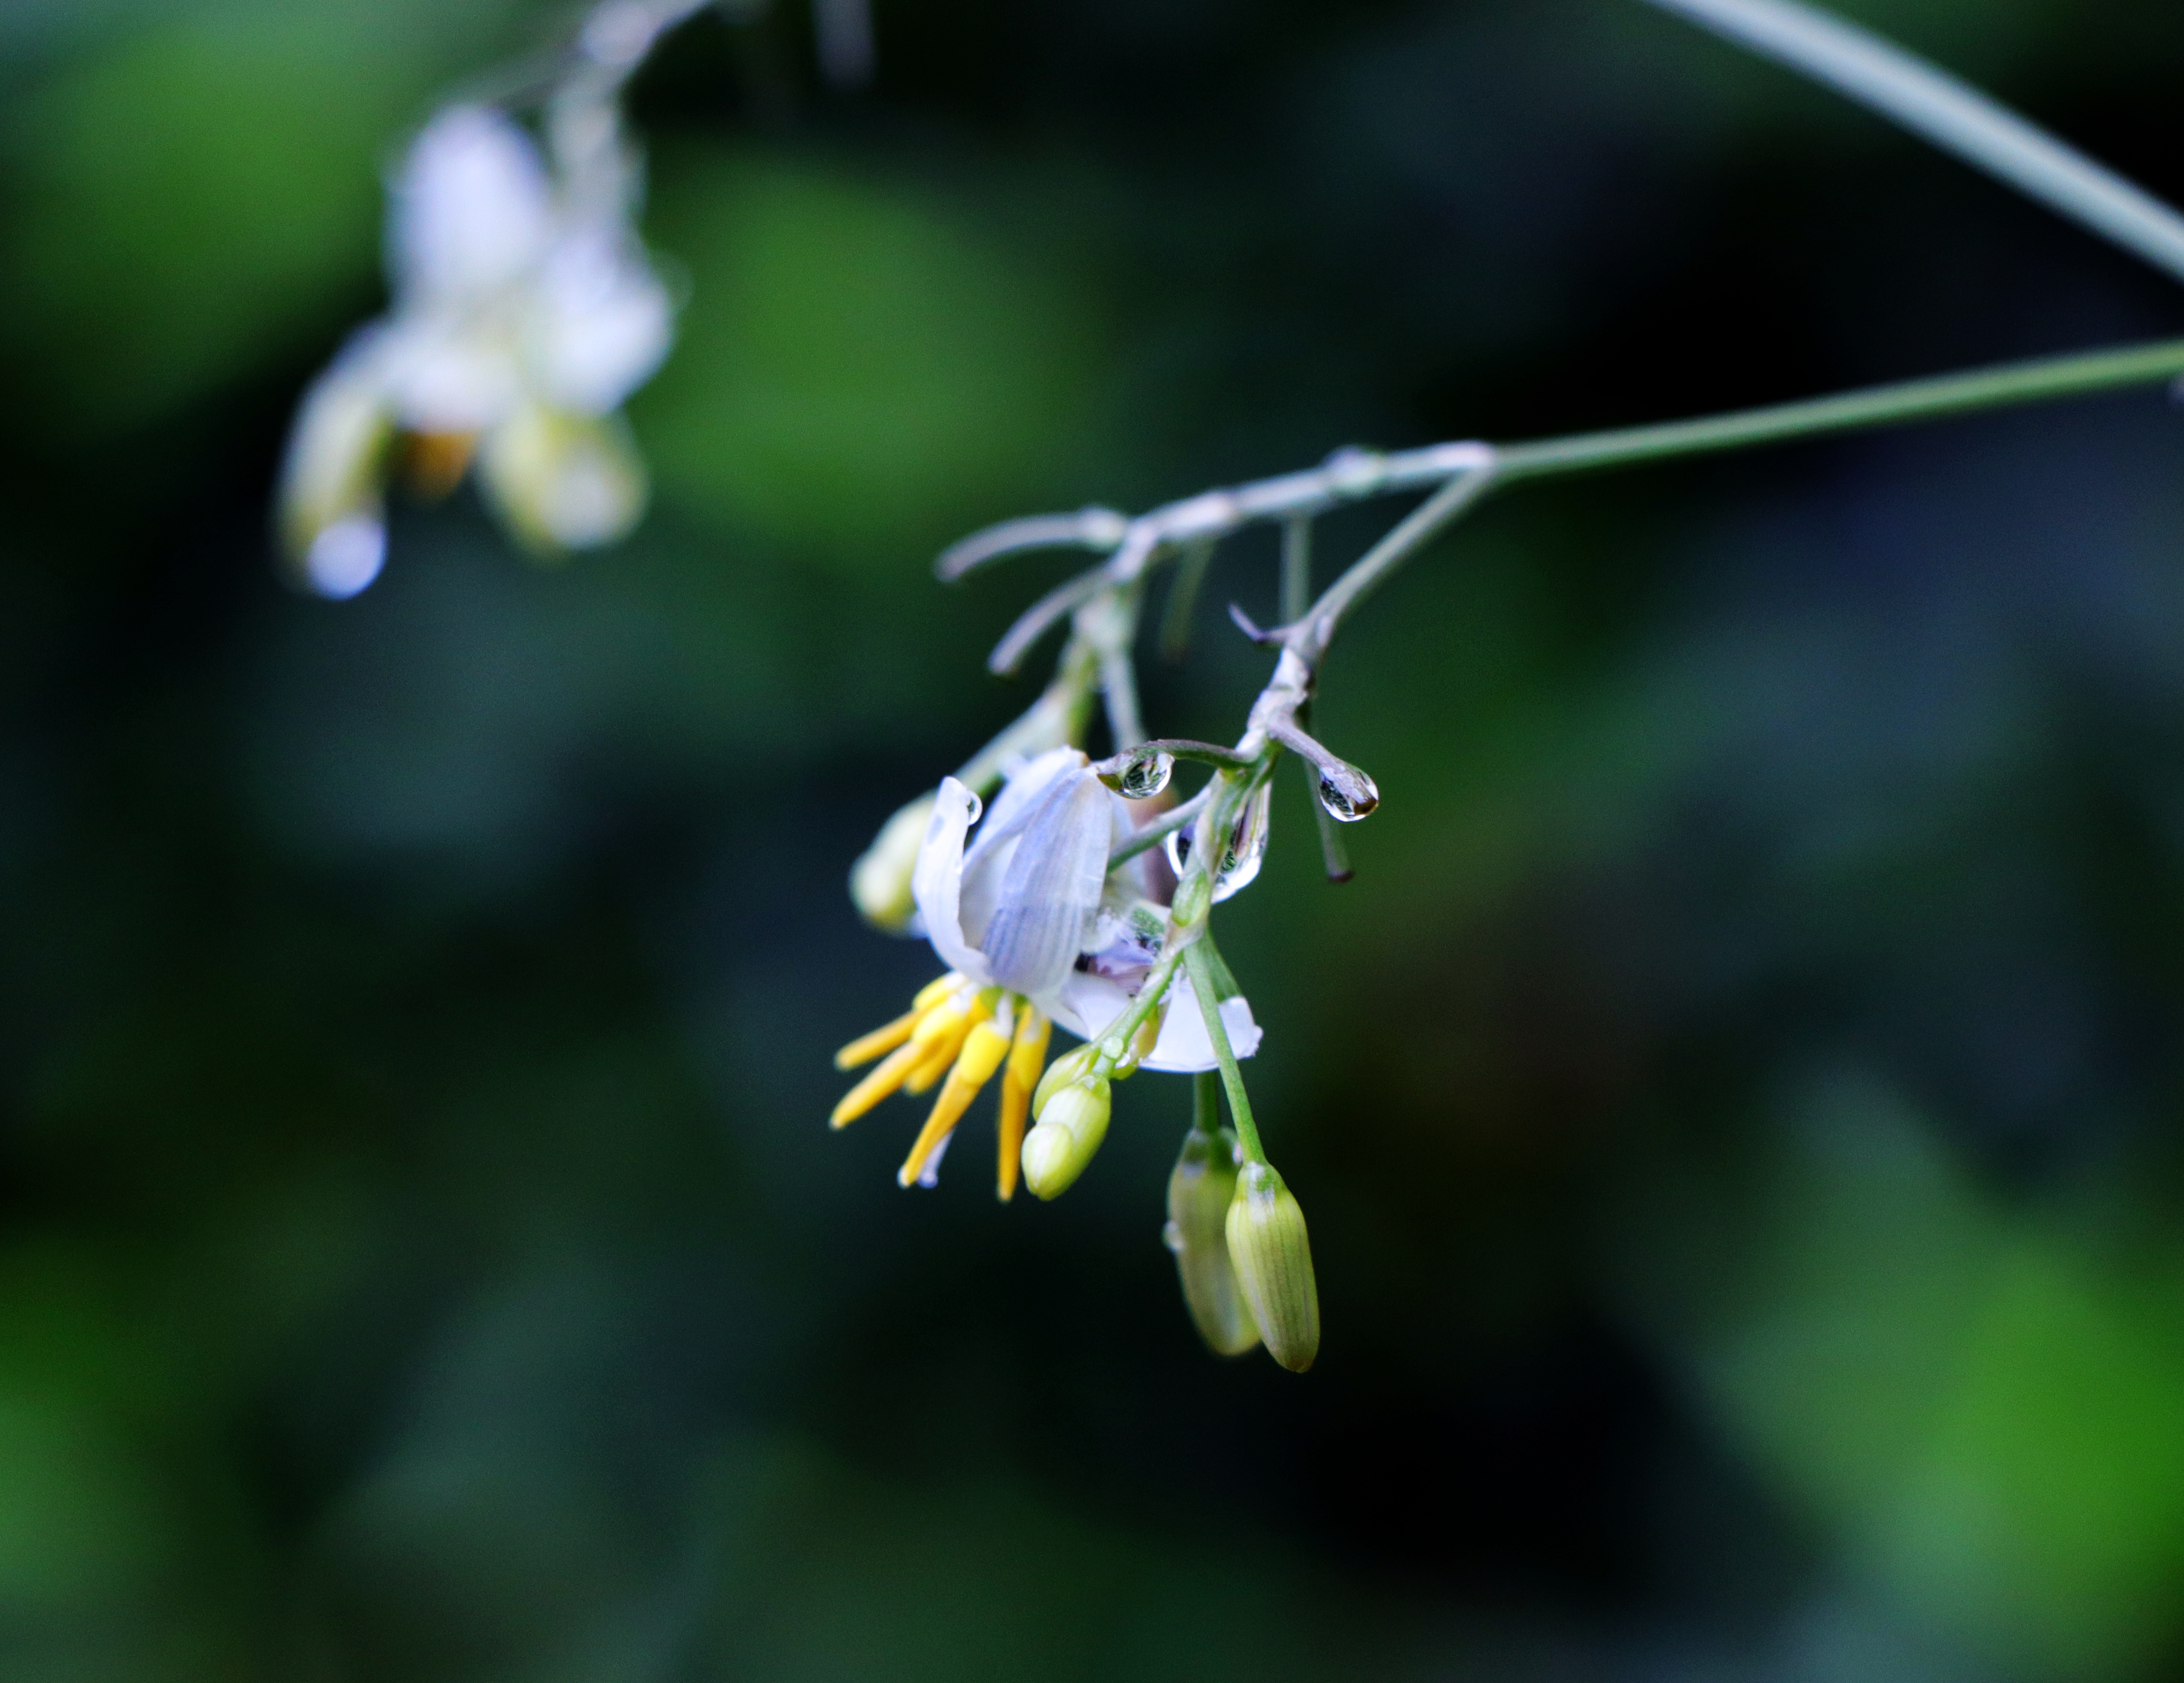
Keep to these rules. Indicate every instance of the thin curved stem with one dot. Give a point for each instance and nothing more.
(1161, 828)
(1950, 113)
(2039, 380)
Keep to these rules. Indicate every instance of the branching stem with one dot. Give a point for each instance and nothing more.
(2037, 381)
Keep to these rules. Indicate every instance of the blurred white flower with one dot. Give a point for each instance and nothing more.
(524, 314)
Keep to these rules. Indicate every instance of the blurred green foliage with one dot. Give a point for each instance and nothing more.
(860, 368)
(1734, 1104)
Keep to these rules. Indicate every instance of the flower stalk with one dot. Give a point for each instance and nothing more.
(1130, 939)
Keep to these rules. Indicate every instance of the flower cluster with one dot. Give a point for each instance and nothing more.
(524, 313)
(1080, 899)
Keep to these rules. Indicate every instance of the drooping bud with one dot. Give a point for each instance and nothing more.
(879, 882)
(563, 481)
(1068, 1070)
(1072, 1123)
(1273, 1259)
(1198, 1194)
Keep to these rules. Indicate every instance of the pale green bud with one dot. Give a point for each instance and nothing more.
(1070, 1126)
(563, 481)
(1272, 1260)
(1069, 1069)
(1198, 1194)
(879, 882)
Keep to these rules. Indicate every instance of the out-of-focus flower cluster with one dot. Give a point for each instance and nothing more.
(524, 313)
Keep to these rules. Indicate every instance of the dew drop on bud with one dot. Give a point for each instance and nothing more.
(1247, 846)
(978, 807)
(1347, 805)
(1246, 851)
(1147, 775)
(1172, 1236)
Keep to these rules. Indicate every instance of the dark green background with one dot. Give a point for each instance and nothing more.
(1736, 1103)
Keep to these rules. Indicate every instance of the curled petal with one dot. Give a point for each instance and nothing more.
(337, 449)
(472, 208)
(936, 882)
(1051, 889)
(599, 325)
(1012, 805)
(986, 864)
(1087, 1004)
(448, 376)
(1183, 1045)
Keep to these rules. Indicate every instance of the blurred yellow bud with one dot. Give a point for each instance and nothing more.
(879, 882)
(1273, 1259)
(563, 481)
(1072, 1123)
(1198, 1194)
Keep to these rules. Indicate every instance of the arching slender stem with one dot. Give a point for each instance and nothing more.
(1952, 115)
(2039, 380)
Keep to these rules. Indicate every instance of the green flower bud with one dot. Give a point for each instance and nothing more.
(1198, 1194)
(1068, 1070)
(1072, 1123)
(1272, 1260)
(879, 882)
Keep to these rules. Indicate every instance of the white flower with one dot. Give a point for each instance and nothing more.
(524, 314)
(1034, 930)
(1023, 904)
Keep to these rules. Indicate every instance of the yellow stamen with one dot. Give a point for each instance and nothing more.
(876, 1085)
(1026, 1056)
(942, 1034)
(867, 1047)
(937, 1059)
(932, 993)
(984, 1046)
(437, 461)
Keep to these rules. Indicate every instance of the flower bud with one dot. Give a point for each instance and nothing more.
(563, 481)
(879, 882)
(1070, 1069)
(1273, 1259)
(1198, 1194)
(1072, 1123)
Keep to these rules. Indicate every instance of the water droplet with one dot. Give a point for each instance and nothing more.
(1240, 863)
(1349, 800)
(1147, 775)
(978, 807)
(1172, 1236)
(1245, 852)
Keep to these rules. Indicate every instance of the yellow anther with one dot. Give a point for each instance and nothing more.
(941, 1035)
(984, 1046)
(876, 1085)
(935, 1061)
(1027, 1055)
(932, 993)
(867, 1047)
